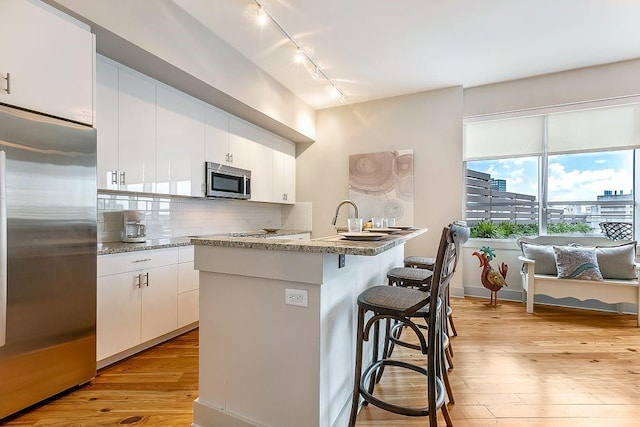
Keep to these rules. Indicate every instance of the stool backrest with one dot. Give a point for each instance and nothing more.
(446, 261)
(443, 270)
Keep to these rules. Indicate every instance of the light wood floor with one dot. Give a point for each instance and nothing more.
(557, 367)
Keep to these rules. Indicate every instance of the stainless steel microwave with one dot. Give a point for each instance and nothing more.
(228, 182)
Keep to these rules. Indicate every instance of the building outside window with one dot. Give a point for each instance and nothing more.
(561, 172)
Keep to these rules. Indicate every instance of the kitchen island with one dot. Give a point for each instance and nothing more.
(277, 326)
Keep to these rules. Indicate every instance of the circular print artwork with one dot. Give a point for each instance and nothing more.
(403, 166)
(372, 173)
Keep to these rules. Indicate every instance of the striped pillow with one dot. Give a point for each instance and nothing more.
(617, 262)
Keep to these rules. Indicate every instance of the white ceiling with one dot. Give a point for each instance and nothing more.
(380, 48)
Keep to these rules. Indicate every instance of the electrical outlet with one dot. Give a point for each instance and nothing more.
(297, 297)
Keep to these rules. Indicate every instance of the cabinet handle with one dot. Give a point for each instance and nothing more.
(231, 156)
(142, 260)
(8, 79)
(226, 157)
(139, 280)
(122, 181)
(114, 177)
(147, 281)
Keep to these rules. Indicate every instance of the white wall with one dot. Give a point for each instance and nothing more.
(430, 123)
(190, 52)
(585, 84)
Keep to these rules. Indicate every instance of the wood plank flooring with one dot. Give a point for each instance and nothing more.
(154, 388)
(558, 367)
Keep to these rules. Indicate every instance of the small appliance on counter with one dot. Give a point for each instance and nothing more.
(134, 229)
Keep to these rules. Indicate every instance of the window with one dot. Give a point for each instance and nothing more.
(554, 173)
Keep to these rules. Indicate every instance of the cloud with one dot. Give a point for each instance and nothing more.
(577, 184)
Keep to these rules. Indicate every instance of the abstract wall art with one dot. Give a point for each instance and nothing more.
(381, 184)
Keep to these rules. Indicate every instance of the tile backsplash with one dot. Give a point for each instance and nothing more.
(170, 216)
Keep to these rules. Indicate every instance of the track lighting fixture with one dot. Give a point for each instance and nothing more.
(262, 18)
(301, 56)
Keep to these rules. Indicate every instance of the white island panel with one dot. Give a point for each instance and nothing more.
(265, 363)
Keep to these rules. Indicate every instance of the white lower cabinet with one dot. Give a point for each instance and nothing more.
(137, 299)
(188, 288)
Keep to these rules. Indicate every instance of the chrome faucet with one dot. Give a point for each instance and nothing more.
(345, 202)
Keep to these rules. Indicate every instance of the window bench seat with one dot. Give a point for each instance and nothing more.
(612, 290)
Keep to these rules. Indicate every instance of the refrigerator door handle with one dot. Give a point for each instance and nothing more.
(3, 249)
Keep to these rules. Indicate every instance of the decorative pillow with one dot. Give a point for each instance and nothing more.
(616, 262)
(577, 263)
(543, 256)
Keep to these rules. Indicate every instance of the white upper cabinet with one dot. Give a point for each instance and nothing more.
(216, 136)
(180, 144)
(136, 132)
(237, 151)
(153, 138)
(259, 162)
(284, 171)
(226, 139)
(107, 124)
(46, 61)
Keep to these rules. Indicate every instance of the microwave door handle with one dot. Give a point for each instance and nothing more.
(3, 249)
(247, 186)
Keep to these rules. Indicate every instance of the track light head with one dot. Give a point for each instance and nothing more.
(262, 19)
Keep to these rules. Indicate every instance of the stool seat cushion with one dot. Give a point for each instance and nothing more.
(393, 300)
(420, 262)
(410, 274)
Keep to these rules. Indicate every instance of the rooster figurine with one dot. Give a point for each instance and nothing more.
(491, 279)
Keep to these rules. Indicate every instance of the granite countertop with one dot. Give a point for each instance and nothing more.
(107, 248)
(329, 245)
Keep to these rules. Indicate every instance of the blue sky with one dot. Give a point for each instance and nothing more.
(581, 176)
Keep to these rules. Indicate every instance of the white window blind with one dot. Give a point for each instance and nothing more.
(517, 137)
(596, 129)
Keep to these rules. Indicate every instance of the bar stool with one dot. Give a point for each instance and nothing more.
(427, 263)
(417, 278)
(404, 277)
(402, 304)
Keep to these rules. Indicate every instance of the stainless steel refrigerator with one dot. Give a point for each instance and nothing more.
(47, 257)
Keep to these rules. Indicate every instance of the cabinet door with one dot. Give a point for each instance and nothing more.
(188, 308)
(159, 302)
(179, 144)
(107, 124)
(260, 163)
(188, 277)
(49, 57)
(238, 132)
(216, 136)
(289, 167)
(284, 164)
(118, 313)
(137, 132)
